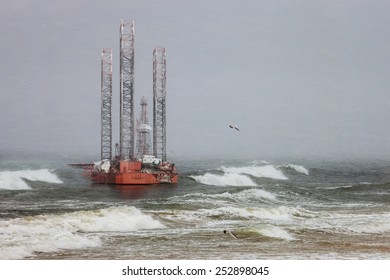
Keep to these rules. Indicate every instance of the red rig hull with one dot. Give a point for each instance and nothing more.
(134, 173)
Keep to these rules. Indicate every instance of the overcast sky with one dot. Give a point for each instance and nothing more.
(301, 78)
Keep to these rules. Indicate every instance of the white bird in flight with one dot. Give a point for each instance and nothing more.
(234, 126)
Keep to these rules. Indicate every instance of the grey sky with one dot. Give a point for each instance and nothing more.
(300, 78)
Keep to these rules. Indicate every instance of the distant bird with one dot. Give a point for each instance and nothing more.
(234, 126)
(231, 233)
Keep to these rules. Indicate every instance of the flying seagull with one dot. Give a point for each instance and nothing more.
(234, 126)
(231, 233)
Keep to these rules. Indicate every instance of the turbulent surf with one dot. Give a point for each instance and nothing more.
(277, 210)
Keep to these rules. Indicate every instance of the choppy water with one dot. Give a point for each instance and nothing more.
(278, 210)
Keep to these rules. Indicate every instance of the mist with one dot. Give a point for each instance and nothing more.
(300, 78)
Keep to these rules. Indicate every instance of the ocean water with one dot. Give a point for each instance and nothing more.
(277, 209)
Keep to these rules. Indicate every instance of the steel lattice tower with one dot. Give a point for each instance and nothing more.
(126, 141)
(106, 107)
(159, 104)
(143, 131)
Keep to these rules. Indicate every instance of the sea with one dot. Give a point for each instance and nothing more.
(276, 209)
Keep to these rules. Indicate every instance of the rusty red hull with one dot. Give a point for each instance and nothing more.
(134, 178)
(130, 173)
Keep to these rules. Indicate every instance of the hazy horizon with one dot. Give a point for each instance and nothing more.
(302, 79)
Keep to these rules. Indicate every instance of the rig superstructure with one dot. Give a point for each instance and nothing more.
(127, 167)
(143, 146)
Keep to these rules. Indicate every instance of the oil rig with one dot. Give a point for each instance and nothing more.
(148, 165)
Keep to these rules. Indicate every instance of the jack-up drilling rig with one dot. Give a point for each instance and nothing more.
(126, 168)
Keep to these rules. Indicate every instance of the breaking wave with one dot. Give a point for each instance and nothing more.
(241, 176)
(297, 168)
(281, 213)
(274, 232)
(358, 223)
(227, 179)
(13, 180)
(23, 237)
(254, 195)
(262, 171)
(229, 213)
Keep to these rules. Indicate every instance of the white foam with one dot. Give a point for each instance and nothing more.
(13, 180)
(339, 187)
(281, 213)
(238, 176)
(122, 219)
(360, 223)
(245, 195)
(257, 162)
(349, 223)
(275, 232)
(257, 194)
(227, 179)
(272, 214)
(298, 168)
(263, 171)
(22, 237)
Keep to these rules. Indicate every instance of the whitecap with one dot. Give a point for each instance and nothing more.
(13, 180)
(281, 213)
(297, 168)
(227, 179)
(274, 232)
(257, 194)
(22, 237)
(263, 171)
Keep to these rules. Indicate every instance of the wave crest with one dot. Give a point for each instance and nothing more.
(281, 213)
(297, 168)
(262, 171)
(22, 237)
(13, 180)
(226, 179)
(241, 176)
(274, 232)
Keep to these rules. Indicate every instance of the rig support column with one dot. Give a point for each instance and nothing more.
(143, 131)
(126, 141)
(159, 104)
(106, 104)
